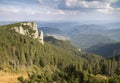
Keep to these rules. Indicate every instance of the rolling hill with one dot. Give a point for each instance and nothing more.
(88, 40)
(105, 50)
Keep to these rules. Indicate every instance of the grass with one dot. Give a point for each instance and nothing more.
(7, 77)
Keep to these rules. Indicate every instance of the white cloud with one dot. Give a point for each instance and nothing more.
(109, 10)
(103, 7)
(55, 12)
(50, 10)
(86, 4)
(12, 9)
(111, 1)
(104, 11)
(9, 9)
(61, 12)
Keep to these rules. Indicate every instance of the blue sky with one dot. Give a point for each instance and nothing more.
(60, 10)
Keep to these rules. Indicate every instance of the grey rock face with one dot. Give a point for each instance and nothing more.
(24, 30)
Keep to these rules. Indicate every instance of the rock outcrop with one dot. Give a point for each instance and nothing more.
(41, 37)
(30, 29)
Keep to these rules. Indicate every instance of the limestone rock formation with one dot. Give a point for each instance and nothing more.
(41, 37)
(33, 27)
(29, 28)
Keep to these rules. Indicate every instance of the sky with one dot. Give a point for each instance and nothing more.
(60, 10)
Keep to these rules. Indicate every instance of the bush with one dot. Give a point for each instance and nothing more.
(115, 79)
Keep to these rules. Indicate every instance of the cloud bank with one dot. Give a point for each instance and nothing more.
(64, 10)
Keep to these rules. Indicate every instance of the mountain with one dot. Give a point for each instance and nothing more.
(114, 33)
(54, 61)
(87, 40)
(49, 30)
(24, 28)
(105, 50)
(57, 33)
(85, 36)
(82, 35)
(63, 45)
(113, 25)
(88, 29)
(21, 49)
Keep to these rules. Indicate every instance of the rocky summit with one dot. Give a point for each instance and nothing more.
(29, 28)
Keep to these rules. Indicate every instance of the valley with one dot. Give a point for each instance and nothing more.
(59, 41)
(56, 60)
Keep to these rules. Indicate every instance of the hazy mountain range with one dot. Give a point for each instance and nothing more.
(81, 35)
(105, 50)
(84, 35)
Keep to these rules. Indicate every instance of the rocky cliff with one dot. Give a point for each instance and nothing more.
(30, 29)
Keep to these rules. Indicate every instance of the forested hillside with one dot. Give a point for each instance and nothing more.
(57, 61)
(105, 50)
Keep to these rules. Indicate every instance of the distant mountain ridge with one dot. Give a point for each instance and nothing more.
(105, 50)
(84, 35)
(55, 32)
(87, 40)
